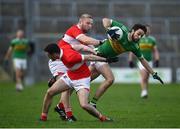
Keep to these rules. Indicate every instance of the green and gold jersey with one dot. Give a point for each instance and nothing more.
(147, 44)
(110, 48)
(20, 48)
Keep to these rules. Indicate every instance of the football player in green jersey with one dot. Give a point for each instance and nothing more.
(18, 48)
(124, 40)
(148, 48)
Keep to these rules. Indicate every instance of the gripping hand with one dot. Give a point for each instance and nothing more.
(51, 81)
(112, 59)
(155, 76)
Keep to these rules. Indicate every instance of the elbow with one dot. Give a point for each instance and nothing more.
(106, 22)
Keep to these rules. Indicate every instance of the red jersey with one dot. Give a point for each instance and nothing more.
(73, 60)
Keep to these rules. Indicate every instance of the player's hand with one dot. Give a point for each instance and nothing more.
(156, 63)
(51, 81)
(99, 54)
(112, 59)
(131, 64)
(155, 76)
(112, 34)
(102, 41)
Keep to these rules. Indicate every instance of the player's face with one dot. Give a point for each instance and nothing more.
(137, 35)
(20, 34)
(87, 24)
(52, 56)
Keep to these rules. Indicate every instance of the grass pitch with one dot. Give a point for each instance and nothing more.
(121, 102)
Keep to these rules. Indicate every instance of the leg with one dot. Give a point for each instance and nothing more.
(94, 72)
(18, 73)
(109, 79)
(58, 87)
(63, 104)
(64, 107)
(144, 83)
(83, 95)
(19, 66)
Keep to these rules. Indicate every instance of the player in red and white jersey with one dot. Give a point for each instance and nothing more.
(73, 61)
(57, 69)
(76, 34)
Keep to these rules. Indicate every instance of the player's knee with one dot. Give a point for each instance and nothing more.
(110, 80)
(50, 92)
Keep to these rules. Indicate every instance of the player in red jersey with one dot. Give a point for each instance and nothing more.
(57, 69)
(77, 77)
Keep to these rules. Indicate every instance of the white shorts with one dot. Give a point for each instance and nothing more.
(141, 67)
(20, 63)
(97, 64)
(76, 84)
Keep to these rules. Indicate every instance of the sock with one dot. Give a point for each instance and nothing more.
(68, 112)
(94, 100)
(43, 116)
(61, 105)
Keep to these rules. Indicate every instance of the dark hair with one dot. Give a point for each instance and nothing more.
(139, 26)
(52, 48)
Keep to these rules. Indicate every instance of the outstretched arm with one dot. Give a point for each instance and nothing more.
(101, 59)
(146, 65)
(94, 58)
(88, 40)
(150, 70)
(81, 47)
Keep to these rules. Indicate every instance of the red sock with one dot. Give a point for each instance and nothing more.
(69, 114)
(43, 117)
(61, 105)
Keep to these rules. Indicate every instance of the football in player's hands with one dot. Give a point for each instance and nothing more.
(114, 33)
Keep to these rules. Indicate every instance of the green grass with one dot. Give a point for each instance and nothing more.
(121, 102)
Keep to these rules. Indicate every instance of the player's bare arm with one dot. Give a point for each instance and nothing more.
(146, 65)
(106, 23)
(94, 58)
(81, 47)
(88, 40)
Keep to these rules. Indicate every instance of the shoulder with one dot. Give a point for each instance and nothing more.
(73, 28)
(14, 40)
(152, 38)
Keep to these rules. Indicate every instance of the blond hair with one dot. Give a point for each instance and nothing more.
(85, 15)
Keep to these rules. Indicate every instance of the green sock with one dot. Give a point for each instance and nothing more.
(94, 100)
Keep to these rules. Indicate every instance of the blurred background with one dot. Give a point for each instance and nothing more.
(44, 21)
